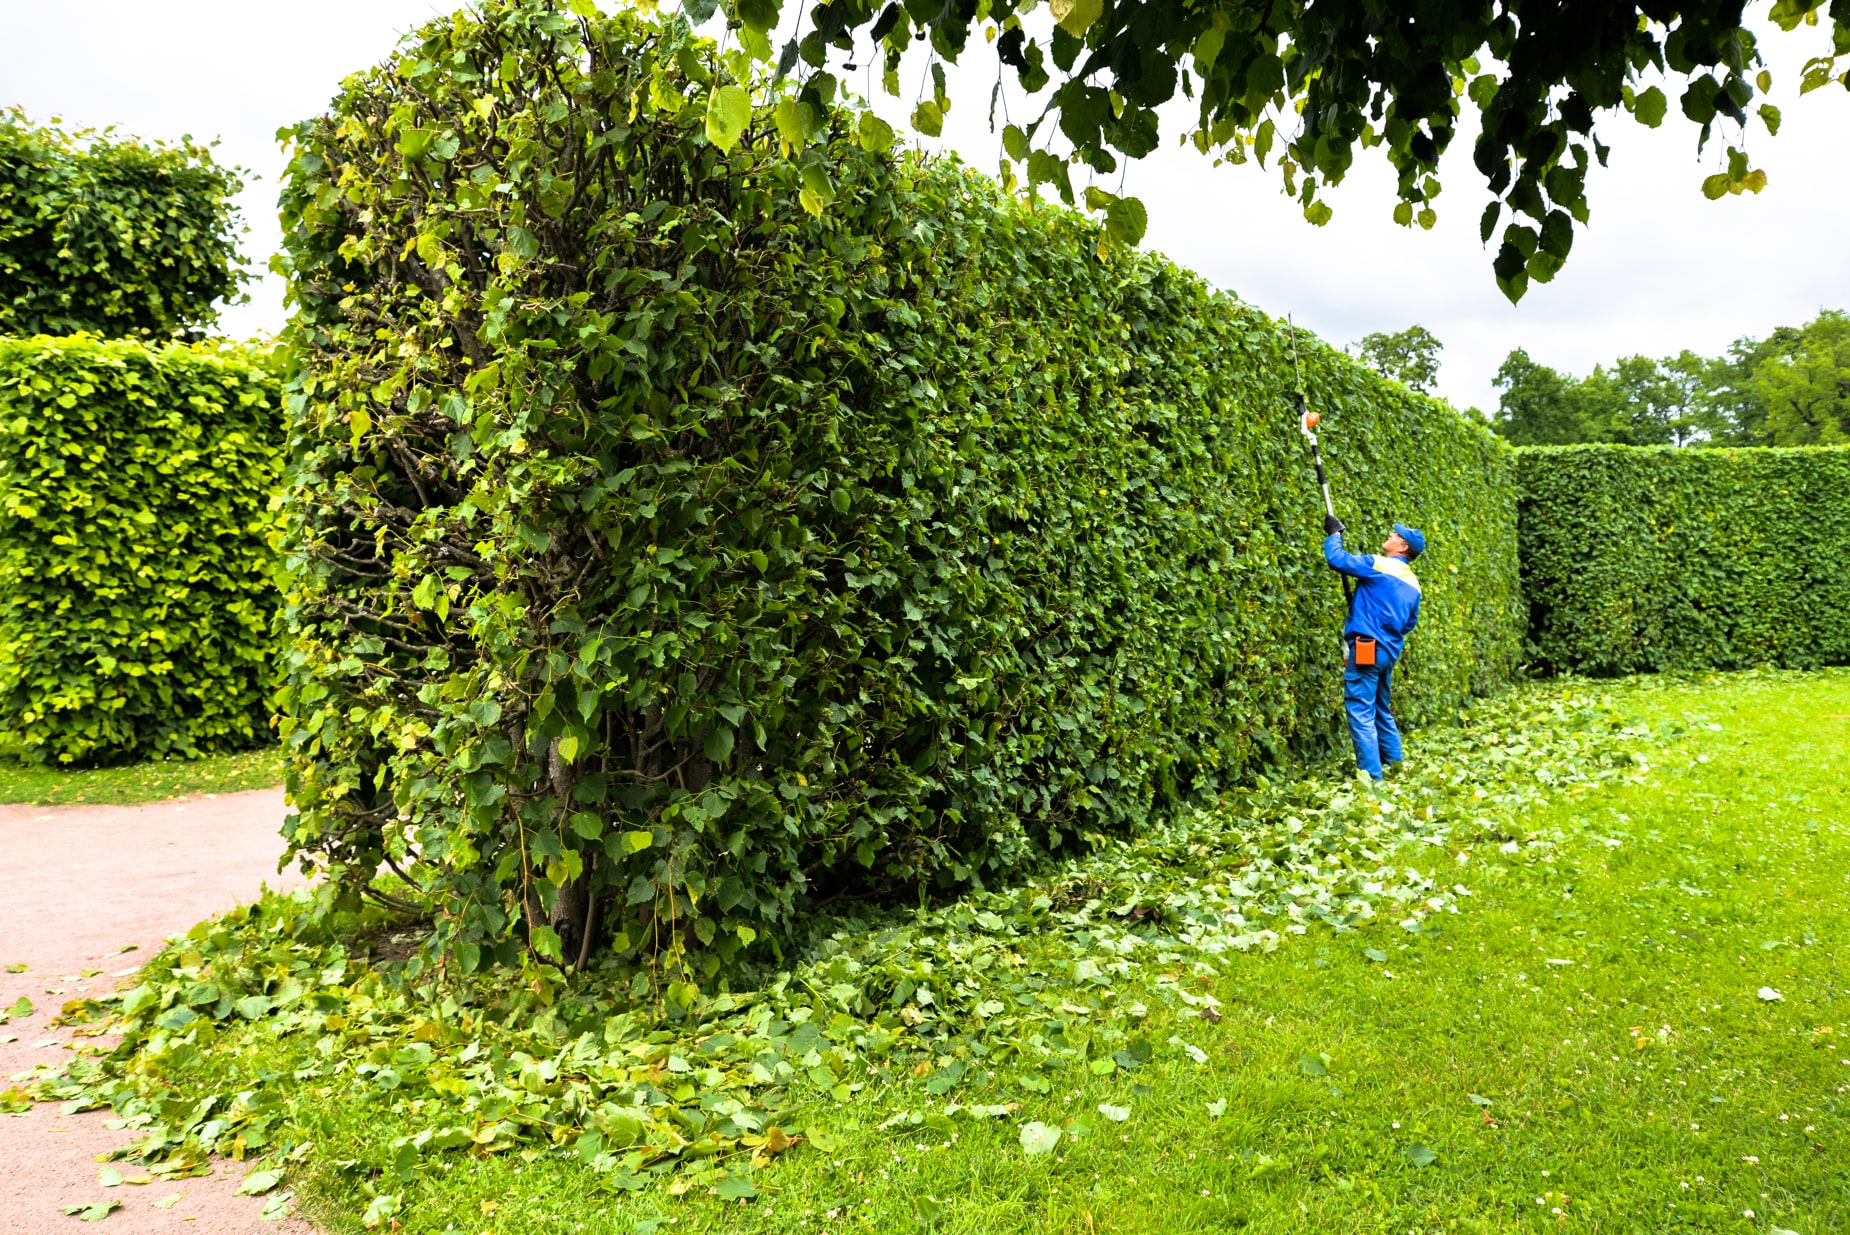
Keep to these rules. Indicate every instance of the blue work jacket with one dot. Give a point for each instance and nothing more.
(1387, 596)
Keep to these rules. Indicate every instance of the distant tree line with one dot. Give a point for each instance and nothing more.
(1791, 388)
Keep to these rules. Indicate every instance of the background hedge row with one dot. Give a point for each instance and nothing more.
(112, 237)
(1640, 559)
(681, 533)
(137, 584)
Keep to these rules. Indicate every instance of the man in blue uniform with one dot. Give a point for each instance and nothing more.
(1384, 613)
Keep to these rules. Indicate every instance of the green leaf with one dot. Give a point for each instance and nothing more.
(1374, 954)
(1135, 1055)
(1103, 1066)
(21, 1007)
(1117, 1114)
(759, 14)
(876, 134)
(1314, 1065)
(250, 1007)
(93, 1212)
(546, 942)
(1207, 46)
(1769, 116)
(259, 1182)
(522, 243)
(729, 110)
(818, 190)
(381, 1209)
(928, 118)
(568, 747)
(1420, 1155)
(797, 122)
(1015, 142)
(1038, 1138)
(719, 743)
(1126, 221)
(636, 842)
(1651, 107)
(109, 1177)
(736, 1188)
(1076, 16)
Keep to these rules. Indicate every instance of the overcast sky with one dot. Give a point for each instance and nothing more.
(1660, 270)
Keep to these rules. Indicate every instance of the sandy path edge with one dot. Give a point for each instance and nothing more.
(78, 885)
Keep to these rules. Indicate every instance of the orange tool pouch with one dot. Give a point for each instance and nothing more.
(1364, 650)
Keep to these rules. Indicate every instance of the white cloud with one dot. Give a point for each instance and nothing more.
(1661, 268)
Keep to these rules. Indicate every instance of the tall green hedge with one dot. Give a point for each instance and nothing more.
(681, 533)
(1639, 559)
(137, 584)
(116, 238)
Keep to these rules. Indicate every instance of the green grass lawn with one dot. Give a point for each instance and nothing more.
(140, 782)
(1584, 1045)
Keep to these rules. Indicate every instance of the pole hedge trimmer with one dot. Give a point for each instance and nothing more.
(1307, 425)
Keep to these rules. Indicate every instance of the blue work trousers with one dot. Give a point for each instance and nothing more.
(1367, 696)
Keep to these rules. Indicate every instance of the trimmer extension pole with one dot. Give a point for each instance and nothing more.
(1307, 425)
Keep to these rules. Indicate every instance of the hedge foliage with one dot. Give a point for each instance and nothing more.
(117, 238)
(137, 584)
(1641, 559)
(697, 513)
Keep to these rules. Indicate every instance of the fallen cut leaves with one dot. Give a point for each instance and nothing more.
(593, 1064)
(95, 1211)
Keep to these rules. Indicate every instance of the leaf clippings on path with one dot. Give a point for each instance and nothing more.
(259, 1182)
(96, 1211)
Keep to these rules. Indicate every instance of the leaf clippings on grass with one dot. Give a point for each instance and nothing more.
(1038, 1138)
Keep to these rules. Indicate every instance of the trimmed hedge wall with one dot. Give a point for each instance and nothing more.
(1640, 559)
(137, 587)
(664, 557)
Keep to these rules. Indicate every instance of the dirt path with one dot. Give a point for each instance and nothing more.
(78, 886)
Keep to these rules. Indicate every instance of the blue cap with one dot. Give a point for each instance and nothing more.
(1416, 543)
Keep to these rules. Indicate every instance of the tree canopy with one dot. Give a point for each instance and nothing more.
(1307, 84)
(1410, 356)
(1790, 389)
